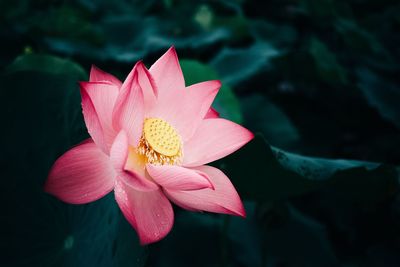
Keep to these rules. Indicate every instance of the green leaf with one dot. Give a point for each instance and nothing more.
(226, 240)
(189, 242)
(380, 94)
(277, 34)
(239, 64)
(326, 63)
(49, 64)
(358, 38)
(265, 173)
(264, 116)
(297, 238)
(226, 103)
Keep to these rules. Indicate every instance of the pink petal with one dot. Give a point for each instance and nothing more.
(214, 139)
(83, 174)
(178, 178)
(97, 75)
(211, 114)
(102, 96)
(182, 107)
(223, 199)
(198, 99)
(148, 85)
(92, 121)
(150, 213)
(135, 178)
(186, 109)
(129, 108)
(167, 73)
(168, 77)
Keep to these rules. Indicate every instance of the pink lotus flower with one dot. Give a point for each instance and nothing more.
(150, 140)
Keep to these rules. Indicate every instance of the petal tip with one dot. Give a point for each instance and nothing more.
(147, 240)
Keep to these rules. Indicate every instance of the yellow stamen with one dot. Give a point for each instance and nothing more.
(160, 142)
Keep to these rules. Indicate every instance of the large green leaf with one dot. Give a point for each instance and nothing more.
(238, 64)
(265, 173)
(47, 63)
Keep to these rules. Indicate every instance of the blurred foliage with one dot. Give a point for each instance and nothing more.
(316, 79)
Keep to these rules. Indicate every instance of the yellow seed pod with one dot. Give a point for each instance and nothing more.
(161, 136)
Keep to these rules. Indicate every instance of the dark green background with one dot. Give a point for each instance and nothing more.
(317, 80)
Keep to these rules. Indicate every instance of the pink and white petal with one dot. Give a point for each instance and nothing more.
(199, 98)
(150, 213)
(211, 114)
(92, 121)
(119, 155)
(98, 75)
(185, 110)
(168, 77)
(82, 175)
(148, 85)
(203, 94)
(167, 73)
(214, 139)
(223, 199)
(178, 178)
(128, 113)
(103, 96)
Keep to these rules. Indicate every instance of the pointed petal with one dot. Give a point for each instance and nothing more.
(223, 199)
(92, 121)
(198, 101)
(98, 75)
(150, 213)
(211, 114)
(102, 96)
(129, 108)
(168, 77)
(148, 85)
(178, 178)
(214, 139)
(82, 175)
(167, 73)
(182, 107)
(135, 178)
(186, 109)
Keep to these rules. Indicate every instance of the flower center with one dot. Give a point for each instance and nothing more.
(160, 142)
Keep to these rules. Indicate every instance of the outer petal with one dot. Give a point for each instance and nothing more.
(83, 174)
(129, 108)
(224, 199)
(214, 139)
(150, 213)
(134, 178)
(178, 178)
(102, 98)
(92, 121)
(97, 75)
(211, 114)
